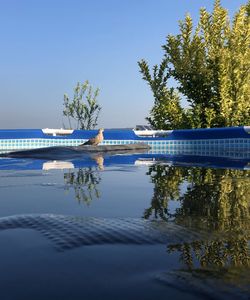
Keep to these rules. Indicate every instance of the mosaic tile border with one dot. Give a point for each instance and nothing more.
(199, 145)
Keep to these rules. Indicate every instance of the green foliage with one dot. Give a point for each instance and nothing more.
(211, 64)
(195, 56)
(235, 71)
(166, 112)
(84, 107)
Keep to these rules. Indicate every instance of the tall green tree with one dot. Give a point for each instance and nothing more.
(234, 74)
(211, 65)
(195, 58)
(83, 108)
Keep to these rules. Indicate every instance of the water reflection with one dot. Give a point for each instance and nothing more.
(167, 186)
(212, 198)
(84, 182)
(208, 229)
(215, 201)
(233, 251)
(218, 264)
(220, 198)
(99, 159)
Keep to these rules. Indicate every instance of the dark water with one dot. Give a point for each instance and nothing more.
(125, 227)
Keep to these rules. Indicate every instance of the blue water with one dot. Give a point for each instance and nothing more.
(201, 212)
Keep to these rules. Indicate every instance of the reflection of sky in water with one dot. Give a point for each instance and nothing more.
(210, 206)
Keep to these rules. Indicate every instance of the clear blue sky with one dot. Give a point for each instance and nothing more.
(47, 46)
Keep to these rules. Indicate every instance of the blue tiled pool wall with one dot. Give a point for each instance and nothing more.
(234, 143)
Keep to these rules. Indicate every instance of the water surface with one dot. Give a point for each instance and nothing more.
(129, 227)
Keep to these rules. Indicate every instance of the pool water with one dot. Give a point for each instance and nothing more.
(123, 230)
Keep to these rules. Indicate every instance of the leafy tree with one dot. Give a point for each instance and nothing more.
(211, 64)
(166, 112)
(194, 55)
(235, 71)
(84, 107)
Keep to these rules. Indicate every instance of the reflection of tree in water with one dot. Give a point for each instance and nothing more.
(167, 181)
(216, 200)
(84, 182)
(232, 251)
(220, 199)
(218, 263)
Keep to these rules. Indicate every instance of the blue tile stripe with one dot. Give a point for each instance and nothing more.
(201, 144)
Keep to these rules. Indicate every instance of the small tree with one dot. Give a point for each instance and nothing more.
(83, 108)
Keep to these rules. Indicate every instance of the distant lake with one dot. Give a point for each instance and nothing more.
(125, 227)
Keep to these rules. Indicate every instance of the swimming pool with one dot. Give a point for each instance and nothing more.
(111, 228)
